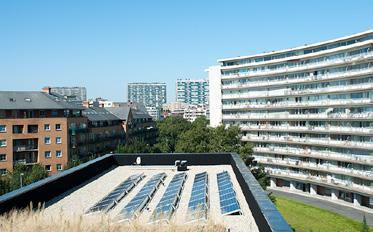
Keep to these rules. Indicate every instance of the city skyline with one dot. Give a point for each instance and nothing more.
(67, 44)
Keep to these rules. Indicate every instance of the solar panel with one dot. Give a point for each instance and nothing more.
(142, 198)
(227, 195)
(198, 203)
(110, 200)
(170, 199)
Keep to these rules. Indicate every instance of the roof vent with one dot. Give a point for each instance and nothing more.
(12, 99)
(28, 99)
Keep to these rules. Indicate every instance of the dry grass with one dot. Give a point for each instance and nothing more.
(38, 220)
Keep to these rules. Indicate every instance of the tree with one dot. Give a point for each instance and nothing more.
(73, 162)
(30, 174)
(134, 146)
(196, 139)
(38, 172)
(5, 185)
(168, 132)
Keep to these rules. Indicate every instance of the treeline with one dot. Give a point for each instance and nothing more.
(24, 173)
(175, 134)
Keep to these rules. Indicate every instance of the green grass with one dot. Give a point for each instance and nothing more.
(306, 218)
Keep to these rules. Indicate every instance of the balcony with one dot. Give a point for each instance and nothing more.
(288, 116)
(301, 67)
(363, 174)
(22, 148)
(289, 92)
(309, 141)
(307, 104)
(29, 158)
(309, 153)
(332, 182)
(311, 129)
(308, 79)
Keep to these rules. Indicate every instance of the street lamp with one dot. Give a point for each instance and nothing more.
(21, 179)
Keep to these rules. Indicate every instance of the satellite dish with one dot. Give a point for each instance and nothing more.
(138, 160)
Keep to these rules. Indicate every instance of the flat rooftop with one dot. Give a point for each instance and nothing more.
(80, 200)
(215, 187)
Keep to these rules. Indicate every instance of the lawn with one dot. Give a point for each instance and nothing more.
(306, 218)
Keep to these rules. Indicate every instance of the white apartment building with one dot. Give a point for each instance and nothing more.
(309, 113)
(189, 112)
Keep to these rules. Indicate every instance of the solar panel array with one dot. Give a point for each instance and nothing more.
(227, 195)
(198, 203)
(170, 199)
(142, 198)
(110, 200)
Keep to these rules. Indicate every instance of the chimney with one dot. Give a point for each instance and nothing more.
(46, 89)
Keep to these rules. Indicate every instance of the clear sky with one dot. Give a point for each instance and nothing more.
(102, 45)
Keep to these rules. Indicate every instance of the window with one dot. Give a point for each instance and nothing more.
(2, 157)
(3, 143)
(59, 167)
(58, 154)
(2, 172)
(48, 168)
(2, 128)
(58, 140)
(58, 127)
(47, 154)
(47, 140)
(47, 127)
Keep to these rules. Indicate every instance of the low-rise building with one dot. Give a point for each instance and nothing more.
(188, 111)
(36, 127)
(105, 133)
(137, 123)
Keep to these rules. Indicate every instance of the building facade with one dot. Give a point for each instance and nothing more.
(35, 128)
(79, 93)
(136, 122)
(309, 113)
(187, 111)
(193, 92)
(151, 95)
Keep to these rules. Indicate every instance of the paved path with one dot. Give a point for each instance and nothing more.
(337, 208)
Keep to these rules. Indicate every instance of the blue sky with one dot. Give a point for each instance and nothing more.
(105, 44)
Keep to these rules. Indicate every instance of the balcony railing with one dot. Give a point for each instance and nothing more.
(289, 92)
(287, 115)
(300, 67)
(21, 148)
(310, 141)
(314, 129)
(25, 161)
(328, 155)
(329, 76)
(333, 182)
(288, 104)
(364, 174)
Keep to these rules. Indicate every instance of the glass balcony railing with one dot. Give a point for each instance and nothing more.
(311, 78)
(310, 153)
(291, 104)
(365, 174)
(310, 141)
(300, 67)
(315, 129)
(287, 115)
(289, 92)
(334, 182)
